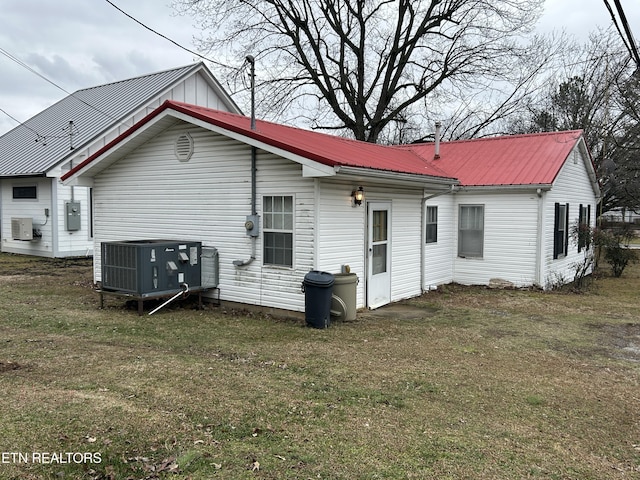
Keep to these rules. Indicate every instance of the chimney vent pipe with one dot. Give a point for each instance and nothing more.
(436, 154)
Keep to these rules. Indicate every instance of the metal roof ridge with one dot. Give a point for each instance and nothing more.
(152, 74)
(580, 132)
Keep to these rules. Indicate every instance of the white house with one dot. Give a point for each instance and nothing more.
(467, 212)
(40, 216)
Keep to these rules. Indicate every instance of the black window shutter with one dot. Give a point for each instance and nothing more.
(580, 229)
(556, 232)
(589, 225)
(566, 233)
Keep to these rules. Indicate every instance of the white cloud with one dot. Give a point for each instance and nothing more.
(81, 43)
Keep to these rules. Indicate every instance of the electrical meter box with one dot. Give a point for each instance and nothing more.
(72, 216)
(148, 268)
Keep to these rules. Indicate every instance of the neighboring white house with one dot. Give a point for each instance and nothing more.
(498, 208)
(40, 216)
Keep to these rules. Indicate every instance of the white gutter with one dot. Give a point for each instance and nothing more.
(387, 175)
(540, 239)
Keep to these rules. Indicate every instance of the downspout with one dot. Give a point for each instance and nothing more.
(251, 222)
(453, 189)
(540, 239)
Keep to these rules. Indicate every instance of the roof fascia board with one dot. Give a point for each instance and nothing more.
(589, 165)
(23, 175)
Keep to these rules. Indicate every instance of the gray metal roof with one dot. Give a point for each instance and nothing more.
(42, 142)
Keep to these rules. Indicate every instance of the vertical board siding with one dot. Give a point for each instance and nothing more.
(574, 187)
(150, 194)
(194, 89)
(510, 239)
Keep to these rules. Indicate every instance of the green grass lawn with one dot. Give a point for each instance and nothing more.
(477, 384)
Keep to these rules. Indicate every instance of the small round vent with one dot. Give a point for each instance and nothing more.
(184, 147)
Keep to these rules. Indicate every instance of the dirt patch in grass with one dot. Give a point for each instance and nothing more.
(9, 366)
(623, 340)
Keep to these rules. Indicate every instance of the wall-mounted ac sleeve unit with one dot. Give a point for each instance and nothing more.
(22, 228)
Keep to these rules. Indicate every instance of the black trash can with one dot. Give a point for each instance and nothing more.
(318, 288)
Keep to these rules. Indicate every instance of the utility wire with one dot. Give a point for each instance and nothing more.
(18, 121)
(627, 29)
(165, 37)
(42, 138)
(35, 72)
(626, 36)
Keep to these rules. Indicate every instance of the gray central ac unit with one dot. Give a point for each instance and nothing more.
(151, 267)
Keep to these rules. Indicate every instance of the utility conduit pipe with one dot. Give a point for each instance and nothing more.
(185, 289)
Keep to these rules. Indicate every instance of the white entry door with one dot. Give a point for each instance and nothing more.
(378, 254)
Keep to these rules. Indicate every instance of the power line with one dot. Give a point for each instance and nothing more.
(40, 137)
(626, 36)
(18, 121)
(24, 65)
(165, 37)
(35, 72)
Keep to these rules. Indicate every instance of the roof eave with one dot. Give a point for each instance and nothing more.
(528, 187)
(397, 177)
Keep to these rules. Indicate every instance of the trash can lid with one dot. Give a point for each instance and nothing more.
(318, 278)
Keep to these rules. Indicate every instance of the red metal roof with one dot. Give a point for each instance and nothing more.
(326, 149)
(534, 159)
(508, 160)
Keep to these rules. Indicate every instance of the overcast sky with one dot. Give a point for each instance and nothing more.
(83, 43)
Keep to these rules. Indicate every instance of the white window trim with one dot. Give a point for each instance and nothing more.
(275, 266)
(427, 223)
(464, 255)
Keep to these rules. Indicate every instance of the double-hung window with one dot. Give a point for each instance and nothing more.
(561, 230)
(584, 228)
(277, 214)
(431, 234)
(471, 231)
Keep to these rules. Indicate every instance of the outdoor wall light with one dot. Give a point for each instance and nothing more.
(358, 196)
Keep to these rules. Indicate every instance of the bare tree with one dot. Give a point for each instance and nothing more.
(369, 68)
(597, 90)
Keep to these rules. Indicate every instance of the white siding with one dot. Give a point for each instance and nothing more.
(406, 243)
(78, 242)
(518, 231)
(150, 194)
(342, 234)
(438, 256)
(56, 240)
(29, 208)
(510, 239)
(572, 186)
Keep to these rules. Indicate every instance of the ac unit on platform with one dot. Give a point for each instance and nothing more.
(151, 267)
(22, 228)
